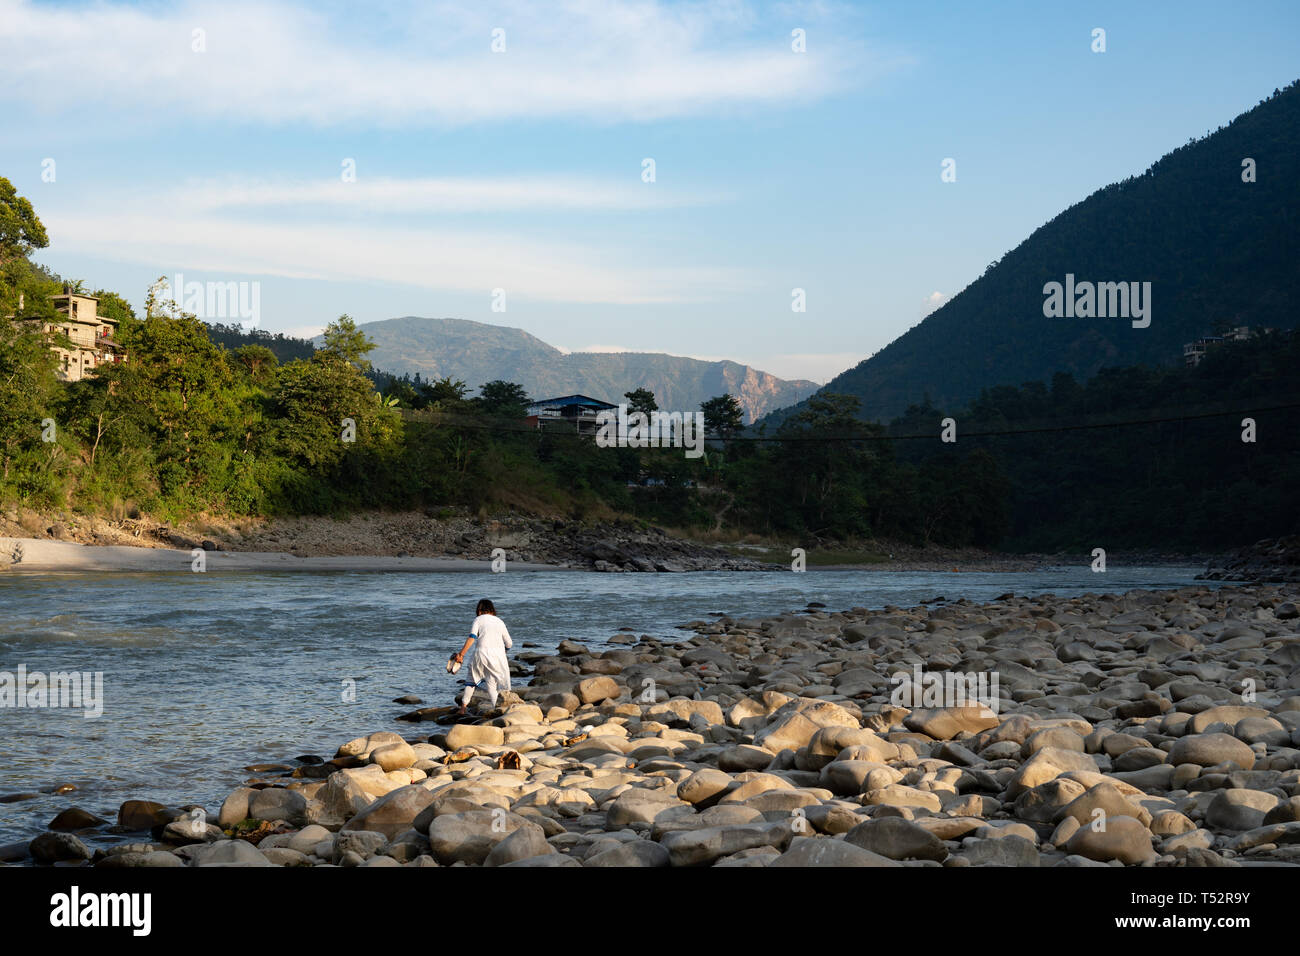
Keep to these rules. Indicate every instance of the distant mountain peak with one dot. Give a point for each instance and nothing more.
(478, 352)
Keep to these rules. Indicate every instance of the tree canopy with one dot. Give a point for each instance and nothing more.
(21, 232)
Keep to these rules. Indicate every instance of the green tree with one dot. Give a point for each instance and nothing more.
(641, 400)
(113, 306)
(176, 385)
(335, 434)
(400, 391)
(723, 416)
(21, 231)
(833, 477)
(256, 362)
(313, 402)
(90, 410)
(345, 341)
(502, 398)
(27, 382)
(445, 392)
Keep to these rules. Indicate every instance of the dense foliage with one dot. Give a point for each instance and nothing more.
(1081, 475)
(212, 419)
(285, 348)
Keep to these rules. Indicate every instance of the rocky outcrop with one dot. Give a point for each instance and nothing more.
(600, 546)
(1272, 560)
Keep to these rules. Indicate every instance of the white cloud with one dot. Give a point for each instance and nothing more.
(461, 261)
(933, 301)
(441, 195)
(237, 226)
(412, 63)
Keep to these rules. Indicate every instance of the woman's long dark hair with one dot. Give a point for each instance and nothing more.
(484, 607)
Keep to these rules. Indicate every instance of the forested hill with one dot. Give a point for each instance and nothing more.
(285, 348)
(476, 352)
(1217, 251)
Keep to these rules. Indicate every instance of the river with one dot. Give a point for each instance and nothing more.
(205, 674)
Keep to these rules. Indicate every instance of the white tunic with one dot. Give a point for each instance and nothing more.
(489, 660)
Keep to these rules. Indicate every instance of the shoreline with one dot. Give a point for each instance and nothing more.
(433, 538)
(47, 556)
(42, 556)
(777, 741)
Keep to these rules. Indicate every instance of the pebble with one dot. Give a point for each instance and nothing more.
(75, 818)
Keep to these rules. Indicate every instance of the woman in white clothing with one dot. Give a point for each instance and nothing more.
(489, 669)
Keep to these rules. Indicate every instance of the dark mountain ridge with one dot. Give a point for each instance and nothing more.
(1218, 251)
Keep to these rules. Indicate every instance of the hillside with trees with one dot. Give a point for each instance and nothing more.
(201, 421)
(1218, 251)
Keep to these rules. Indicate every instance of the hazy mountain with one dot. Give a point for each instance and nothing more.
(478, 353)
(1217, 251)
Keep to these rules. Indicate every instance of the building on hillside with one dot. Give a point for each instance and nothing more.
(1194, 352)
(576, 413)
(92, 338)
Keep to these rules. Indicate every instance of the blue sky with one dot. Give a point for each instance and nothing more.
(522, 169)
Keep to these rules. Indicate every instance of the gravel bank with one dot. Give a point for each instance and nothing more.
(1143, 729)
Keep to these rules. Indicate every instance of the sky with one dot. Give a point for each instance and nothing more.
(489, 160)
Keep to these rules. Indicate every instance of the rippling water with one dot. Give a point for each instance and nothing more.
(205, 674)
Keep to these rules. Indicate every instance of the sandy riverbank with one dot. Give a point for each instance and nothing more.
(372, 544)
(601, 545)
(1153, 728)
(39, 556)
(438, 534)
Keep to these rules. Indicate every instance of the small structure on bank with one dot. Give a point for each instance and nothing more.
(568, 412)
(91, 337)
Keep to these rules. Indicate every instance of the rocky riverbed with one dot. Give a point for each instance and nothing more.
(1153, 728)
(1272, 561)
(593, 545)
